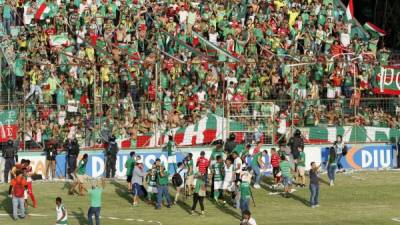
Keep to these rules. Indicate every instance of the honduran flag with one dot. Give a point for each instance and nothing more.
(372, 28)
(42, 10)
(350, 10)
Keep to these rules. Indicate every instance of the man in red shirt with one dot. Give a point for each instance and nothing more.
(18, 187)
(202, 165)
(275, 160)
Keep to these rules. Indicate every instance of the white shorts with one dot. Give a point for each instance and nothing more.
(218, 185)
(151, 189)
(228, 185)
(172, 159)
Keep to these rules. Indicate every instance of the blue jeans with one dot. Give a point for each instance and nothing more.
(244, 204)
(331, 172)
(96, 212)
(162, 191)
(339, 163)
(18, 202)
(314, 197)
(7, 25)
(257, 174)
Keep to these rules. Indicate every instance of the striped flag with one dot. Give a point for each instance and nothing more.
(43, 9)
(8, 125)
(350, 10)
(58, 40)
(373, 29)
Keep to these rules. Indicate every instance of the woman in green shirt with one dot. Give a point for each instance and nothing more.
(199, 193)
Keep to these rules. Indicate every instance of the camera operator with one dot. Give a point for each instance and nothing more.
(111, 157)
(51, 154)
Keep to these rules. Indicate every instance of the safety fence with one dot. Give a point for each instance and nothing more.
(148, 124)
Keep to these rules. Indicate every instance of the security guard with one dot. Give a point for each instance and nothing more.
(72, 148)
(111, 157)
(10, 154)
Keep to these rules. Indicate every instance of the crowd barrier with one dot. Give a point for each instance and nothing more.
(359, 157)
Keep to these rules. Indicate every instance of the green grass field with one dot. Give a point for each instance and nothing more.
(357, 198)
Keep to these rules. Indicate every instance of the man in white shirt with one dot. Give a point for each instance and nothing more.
(183, 14)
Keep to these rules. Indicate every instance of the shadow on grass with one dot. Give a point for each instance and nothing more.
(323, 181)
(6, 204)
(226, 209)
(184, 205)
(122, 191)
(300, 199)
(80, 216)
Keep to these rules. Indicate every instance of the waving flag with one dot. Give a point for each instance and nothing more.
(43, 9)
(350, 10)
(373, 29)
(8, 125)
(58, 40)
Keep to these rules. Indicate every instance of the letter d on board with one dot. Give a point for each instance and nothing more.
(366, 159)
(97, 166)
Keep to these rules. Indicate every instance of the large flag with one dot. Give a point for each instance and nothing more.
(8, 125)
(350, 10)
(43, 9)
(387, 80)
(374, 30)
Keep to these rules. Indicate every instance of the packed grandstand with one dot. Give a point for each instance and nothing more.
(143, 70)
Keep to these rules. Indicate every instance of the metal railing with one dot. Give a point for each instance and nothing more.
(270, 122)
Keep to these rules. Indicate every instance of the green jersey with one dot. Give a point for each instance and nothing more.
(302, 160)
(170, 146)
(152, 179)
(188, 165)
(163, 180)
(60, 212)
(256, 157)
(95, 196)
(129, 165)
(82, 167)
(217, 170)
(216, 153)
(199, 184)
(284, 166)
(244, 190)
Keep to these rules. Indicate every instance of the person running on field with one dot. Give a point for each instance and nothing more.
(229, 178)
(286, 169)
(275, 160)
(162, 188)
(257, 164)
(331, 165)
(314, 185)
(129, 165)
(80, 176)
(218, 175)
(217, 151)
(182, 173)
(138, 175)
(95, 194)
(199, 193)
(61, 211)
(301, 167)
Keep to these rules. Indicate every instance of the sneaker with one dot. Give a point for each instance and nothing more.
(168, 206)
(317, 205)
(331, 183)
(256, 186)
(313, 206)
(191, 212)
(202, 213)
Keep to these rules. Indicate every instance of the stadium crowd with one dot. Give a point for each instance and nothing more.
(82, 66)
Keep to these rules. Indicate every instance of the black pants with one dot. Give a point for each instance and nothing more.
(71, 165)
(200, 199)
(9, 164)
(110, 167)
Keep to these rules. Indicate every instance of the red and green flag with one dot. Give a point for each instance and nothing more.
(387, 80)
(8, 125)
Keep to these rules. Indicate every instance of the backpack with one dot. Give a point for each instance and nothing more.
(177, 179)
(344, 150)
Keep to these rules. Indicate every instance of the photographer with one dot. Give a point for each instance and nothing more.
(51, 154)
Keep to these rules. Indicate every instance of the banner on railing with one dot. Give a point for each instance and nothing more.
(314, 135)
(8, 125)
(387, 80)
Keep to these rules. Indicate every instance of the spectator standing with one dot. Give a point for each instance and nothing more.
(247, 219)
(275, 160)
(301, 166)
(199, 193)
(171, 150)
(257, 163)
(332, 165)
(162, 188)
(202, 165)
(72, 149)
(111, 157)
(51, 155)
(339, 146)
(95, 194)
(18, 184)
(286, 170)
(10, 154)
(314, 185)
(130, 165)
